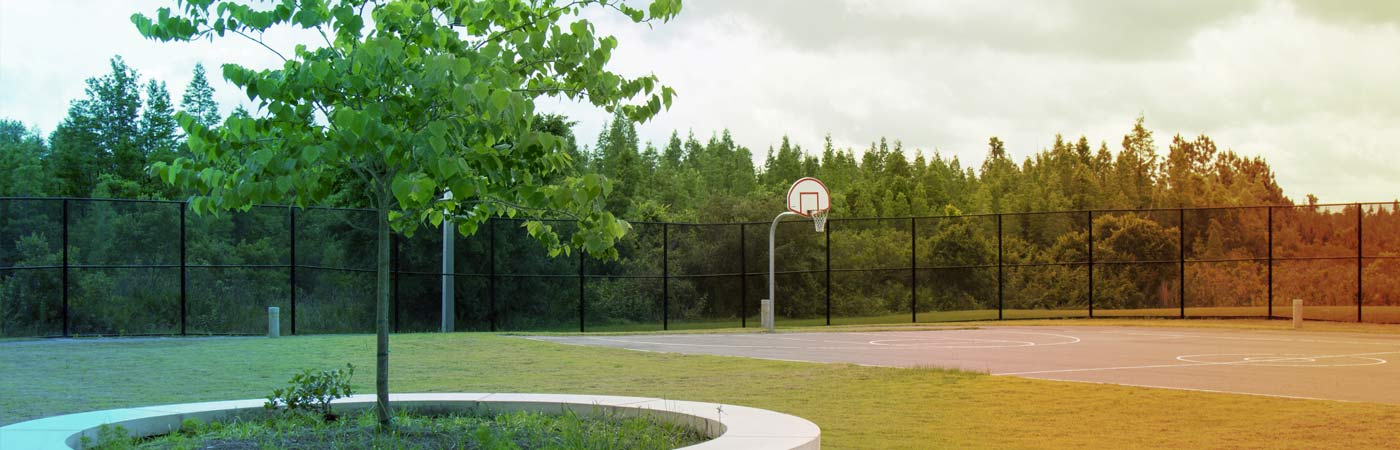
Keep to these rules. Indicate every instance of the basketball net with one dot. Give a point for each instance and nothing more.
(819, 217)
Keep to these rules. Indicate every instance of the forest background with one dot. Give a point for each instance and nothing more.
(914, 234)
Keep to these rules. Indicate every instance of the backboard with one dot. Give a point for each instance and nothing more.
(808, 196)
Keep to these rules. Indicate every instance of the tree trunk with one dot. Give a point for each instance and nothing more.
(381, 317)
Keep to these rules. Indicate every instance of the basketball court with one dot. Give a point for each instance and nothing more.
(1324, 366)
(1331, 366)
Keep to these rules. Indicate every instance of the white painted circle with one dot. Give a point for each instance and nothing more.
(1282, 360)
(951, 342)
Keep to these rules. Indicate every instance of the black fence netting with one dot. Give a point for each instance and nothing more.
(123, 267)
(236, 266)
(1045, 265)
(31, 268)
(956, 260)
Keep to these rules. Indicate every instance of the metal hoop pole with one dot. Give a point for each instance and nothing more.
(772, 273)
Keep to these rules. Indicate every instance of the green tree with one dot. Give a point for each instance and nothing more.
(101, 133)
(21, 160)
(198, 100)
(435, 95)
(159, 135)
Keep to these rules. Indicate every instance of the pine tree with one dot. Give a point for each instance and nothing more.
(159, 135)
(198, 100)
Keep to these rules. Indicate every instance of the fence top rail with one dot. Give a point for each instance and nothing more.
(743, 223)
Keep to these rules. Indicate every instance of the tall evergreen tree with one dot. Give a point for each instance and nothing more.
(159, 136)
(198, 100)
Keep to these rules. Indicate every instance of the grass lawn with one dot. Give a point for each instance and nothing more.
(857, 407)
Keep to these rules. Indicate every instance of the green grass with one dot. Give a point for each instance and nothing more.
(856, 406)
(506, 431)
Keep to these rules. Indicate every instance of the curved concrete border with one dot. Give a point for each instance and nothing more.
(729, 426)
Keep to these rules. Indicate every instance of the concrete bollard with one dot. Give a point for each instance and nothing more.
(274, 322)
(1297, 313)
(765, 312)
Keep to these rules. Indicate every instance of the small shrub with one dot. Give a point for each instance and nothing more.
(109, 437)
(312, 391)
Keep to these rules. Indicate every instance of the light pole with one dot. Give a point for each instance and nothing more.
(449, 270)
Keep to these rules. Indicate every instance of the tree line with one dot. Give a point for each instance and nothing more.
(123, 125)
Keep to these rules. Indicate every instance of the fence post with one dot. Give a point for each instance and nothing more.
(184, 313)
(1359, 265)
(826, 230)
(665, 276)
(1001, 269)
(1271, 263)
(1181, 258)
(292, 266)
(913, 270)
(65, 268)
(1091, 264)
(491, 278)
(743, 281)
(580, 292)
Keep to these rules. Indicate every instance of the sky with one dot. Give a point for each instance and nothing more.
(1310, 85)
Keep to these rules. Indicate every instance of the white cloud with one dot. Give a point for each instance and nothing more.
(1310, 86)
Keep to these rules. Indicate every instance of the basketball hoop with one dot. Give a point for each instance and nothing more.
(819, 218)
(807, 197)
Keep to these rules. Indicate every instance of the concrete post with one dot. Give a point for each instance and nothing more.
(274, 321)
(1297, 313)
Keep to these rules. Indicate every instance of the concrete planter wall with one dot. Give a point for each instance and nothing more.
(729, 426)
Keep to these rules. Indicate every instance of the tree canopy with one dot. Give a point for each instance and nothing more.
(410, 100)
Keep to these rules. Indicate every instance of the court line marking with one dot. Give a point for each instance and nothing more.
(1159, 366)
(1071, 339)
(1212, 391)
(1251, 338)
(869, 345)
(1268, 360)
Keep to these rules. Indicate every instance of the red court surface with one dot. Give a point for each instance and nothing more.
(1332, 366)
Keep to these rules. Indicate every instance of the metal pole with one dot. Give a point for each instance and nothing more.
(1271, 262)
(665, 276)
(183, 311)
(491, 280)
(1181, 258)
(743, 281)
(913, 271)
(772, 273)
(65, 268)
(292, 266)
(1000, 269)
(1359, 265)
(580, 292)
(1091, 264)
(449, 278)
(827, 232)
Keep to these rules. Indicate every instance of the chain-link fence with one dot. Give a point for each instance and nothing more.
(129, 267)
